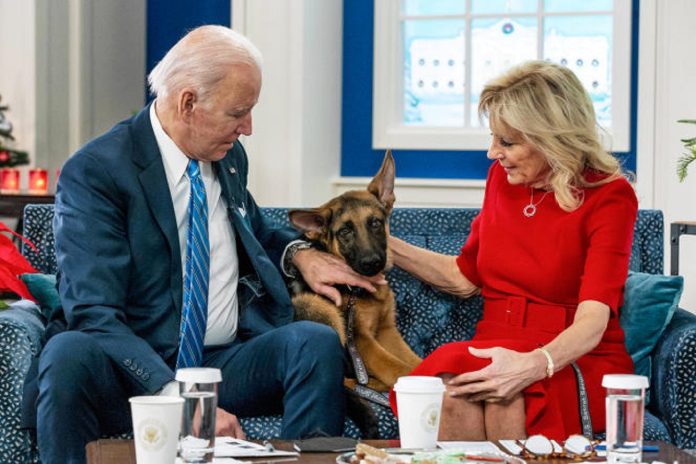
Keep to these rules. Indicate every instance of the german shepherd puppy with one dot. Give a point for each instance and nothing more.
(354, 226)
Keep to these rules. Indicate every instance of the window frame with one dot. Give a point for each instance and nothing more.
(389, 131)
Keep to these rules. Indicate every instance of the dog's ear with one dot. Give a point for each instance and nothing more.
(311, 221)
(382, 185)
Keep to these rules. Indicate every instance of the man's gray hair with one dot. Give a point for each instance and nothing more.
(200, 60)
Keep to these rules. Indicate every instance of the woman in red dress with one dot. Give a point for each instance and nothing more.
(549, 252)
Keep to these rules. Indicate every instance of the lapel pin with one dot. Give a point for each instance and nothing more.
(233, 171)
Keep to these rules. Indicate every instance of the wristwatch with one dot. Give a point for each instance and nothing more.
(290, 251)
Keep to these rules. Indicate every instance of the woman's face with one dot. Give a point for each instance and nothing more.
(523, 163)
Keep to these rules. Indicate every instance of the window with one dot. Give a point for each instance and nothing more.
(432, 59)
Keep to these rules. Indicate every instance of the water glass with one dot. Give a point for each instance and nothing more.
(625, 403)
(198, 387)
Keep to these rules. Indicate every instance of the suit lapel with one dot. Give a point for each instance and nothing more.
(228, 176)
(153, 181)
(233, 190)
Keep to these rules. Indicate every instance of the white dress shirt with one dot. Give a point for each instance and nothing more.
(224, 264)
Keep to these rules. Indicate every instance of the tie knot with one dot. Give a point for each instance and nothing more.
(193, 169)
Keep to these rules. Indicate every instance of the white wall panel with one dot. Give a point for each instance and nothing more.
(18, 72)
(675, 98)
(295, 148)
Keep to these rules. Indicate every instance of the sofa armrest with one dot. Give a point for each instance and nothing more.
(21, 331)
(673, 395)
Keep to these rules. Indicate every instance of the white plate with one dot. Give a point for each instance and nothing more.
(482, 457)
(345, 458)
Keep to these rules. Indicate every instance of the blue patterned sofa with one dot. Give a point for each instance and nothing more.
(426, 318)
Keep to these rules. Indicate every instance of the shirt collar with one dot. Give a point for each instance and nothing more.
(174, 160)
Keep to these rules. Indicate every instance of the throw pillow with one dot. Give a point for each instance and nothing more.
(649, 303)
(43, 288)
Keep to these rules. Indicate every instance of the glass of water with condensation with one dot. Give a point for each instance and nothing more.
(198, 387)
(625, 404)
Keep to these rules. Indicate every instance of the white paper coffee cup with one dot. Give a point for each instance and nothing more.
(156, 426)
(419, 403)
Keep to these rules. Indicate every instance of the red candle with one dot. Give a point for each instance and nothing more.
(38, 181)
(10, 180)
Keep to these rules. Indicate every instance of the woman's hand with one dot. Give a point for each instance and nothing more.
(509, 373)
(322, 271)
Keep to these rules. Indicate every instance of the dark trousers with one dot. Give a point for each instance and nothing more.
(295, 370)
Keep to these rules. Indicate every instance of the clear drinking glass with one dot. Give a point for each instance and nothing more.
(198, 387)
(625, 403)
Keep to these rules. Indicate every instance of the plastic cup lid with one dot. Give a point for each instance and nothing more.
(625, 381)
(198, 375)
(419, 384)
(153, 400)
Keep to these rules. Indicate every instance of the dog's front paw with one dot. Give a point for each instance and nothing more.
(360, 411)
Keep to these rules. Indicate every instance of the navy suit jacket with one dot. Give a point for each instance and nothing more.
(118, 251)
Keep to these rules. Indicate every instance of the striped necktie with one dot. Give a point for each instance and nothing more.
(195, 305)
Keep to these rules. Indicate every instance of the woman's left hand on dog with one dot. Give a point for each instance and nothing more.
(322, 271)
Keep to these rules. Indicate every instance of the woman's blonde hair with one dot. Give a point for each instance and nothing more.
(549, 107)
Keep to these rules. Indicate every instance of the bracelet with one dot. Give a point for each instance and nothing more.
(288, 267)
(549, 362)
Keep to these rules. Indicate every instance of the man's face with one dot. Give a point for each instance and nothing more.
(225, 114)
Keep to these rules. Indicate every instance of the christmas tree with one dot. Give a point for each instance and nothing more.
(9, 156)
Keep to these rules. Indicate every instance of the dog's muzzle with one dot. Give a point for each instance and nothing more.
(370, 265)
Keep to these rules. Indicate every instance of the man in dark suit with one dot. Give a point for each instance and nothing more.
(122, 240)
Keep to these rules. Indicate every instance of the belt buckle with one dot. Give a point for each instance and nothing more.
(516, 310)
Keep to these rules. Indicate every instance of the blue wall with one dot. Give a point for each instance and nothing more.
(357, 156)
(169, 20)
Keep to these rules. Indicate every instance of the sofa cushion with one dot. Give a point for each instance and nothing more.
(649, 303)
(269, 427)
(20, 342)
(43, 288)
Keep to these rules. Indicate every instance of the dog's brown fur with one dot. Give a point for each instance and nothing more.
(354, 226)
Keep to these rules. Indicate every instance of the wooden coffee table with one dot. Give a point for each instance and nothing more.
(123, 452)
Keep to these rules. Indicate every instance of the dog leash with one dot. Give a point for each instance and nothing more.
(584, 404)
(358, 365)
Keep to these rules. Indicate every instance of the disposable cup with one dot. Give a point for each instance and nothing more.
(156, 425)
(419, 403)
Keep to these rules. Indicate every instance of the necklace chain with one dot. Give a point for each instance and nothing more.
(531, 209)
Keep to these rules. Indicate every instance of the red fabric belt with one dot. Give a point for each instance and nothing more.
(517, 311)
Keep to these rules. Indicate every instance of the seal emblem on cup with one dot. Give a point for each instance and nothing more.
(153, 434)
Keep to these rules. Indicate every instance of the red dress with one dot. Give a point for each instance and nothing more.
(533, 272)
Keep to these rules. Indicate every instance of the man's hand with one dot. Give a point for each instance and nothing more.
(509, 373)
(322, 271)
(227, 424)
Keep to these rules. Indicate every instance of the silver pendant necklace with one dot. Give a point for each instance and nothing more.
(531, 209)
